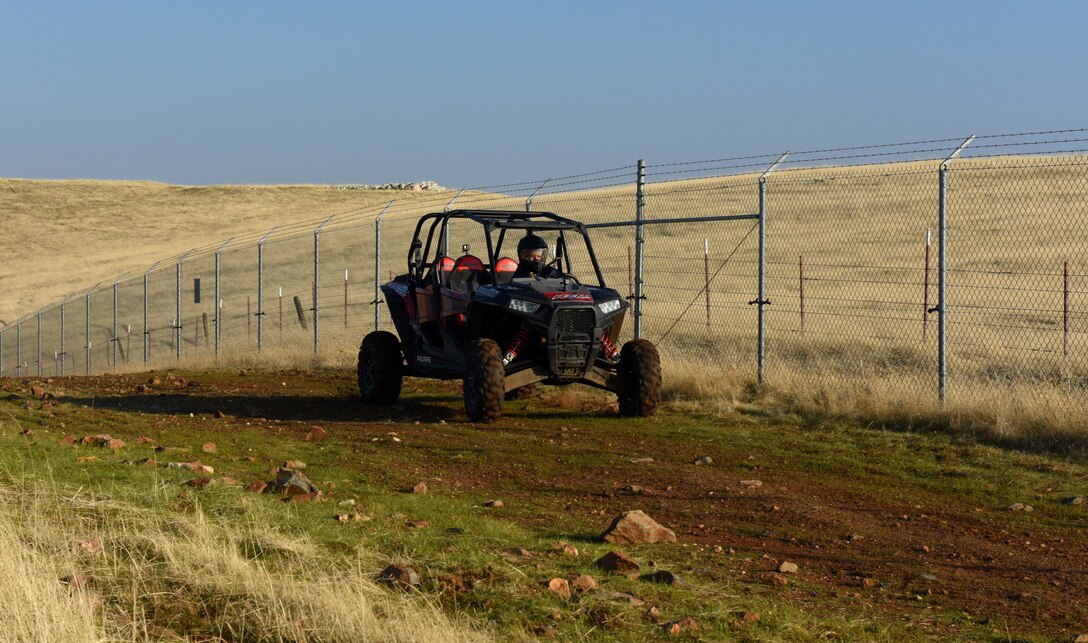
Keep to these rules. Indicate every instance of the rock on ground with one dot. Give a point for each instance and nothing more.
(636, 527)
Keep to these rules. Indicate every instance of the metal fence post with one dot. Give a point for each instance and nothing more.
(317, 282)
(640, 205)
(87, 328)
(378, 264)
(215, 304)
(260, 295)
(177, 320)
(39, 361)
(761, 300)
(942, 271)
(1, 353)
(147, 330)
(61, 354)
(19, 348)
(113, 340)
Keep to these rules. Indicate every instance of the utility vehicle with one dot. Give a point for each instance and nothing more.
(501, 329)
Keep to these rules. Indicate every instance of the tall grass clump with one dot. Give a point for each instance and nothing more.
(90, 567)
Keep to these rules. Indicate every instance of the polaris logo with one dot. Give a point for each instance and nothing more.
(569, 296)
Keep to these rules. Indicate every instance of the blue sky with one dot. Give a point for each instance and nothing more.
(478, 93)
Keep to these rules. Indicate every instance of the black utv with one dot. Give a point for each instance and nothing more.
(503, 324)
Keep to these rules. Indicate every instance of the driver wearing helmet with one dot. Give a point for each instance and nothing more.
(532, 252)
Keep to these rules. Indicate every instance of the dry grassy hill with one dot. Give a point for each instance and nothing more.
(61, 236)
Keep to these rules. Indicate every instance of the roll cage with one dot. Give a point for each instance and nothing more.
(493, 220)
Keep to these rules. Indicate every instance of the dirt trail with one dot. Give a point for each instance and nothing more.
(906, 548)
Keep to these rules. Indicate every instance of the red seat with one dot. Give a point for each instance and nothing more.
(504, 270)
(443, 268)
(466, 273)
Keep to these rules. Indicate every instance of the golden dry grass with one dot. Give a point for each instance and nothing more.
(241, 577)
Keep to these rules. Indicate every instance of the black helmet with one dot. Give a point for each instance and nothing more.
(531, 242)
(531, 245)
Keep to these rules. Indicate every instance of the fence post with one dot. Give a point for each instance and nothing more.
(87, 329)
(60, 355)
(317, 283)
(942, 271)
(1065, 311)
(378, 264)
(177, 320)
(761, 300)
(147, 331)
(39, 360)
(113, 340)
(640, 206)
(1, 353)
(215, 304)
(260, 291)
(19, 348)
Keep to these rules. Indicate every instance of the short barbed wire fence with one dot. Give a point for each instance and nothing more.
(813, 264)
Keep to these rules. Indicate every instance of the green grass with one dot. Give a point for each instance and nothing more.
(557, 471)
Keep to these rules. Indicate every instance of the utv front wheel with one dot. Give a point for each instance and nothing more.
(484, 380)
(640, 372)
(380, 368)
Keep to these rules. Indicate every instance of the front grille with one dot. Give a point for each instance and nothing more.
(580, 321)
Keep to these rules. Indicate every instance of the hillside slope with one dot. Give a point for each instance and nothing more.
(61, 236)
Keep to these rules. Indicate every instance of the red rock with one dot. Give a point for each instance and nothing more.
(100, 439)
(317, 433)
(86, 458)
(399, 576)
(37, 391)
(615, 561)
(778, 580)
(209, 447)
(787, 567)
(420, 488)
(750, 617)
(417, 524)
(68, 439)
(676, 627)
(141, 388)
(154, 381)
(198, 482)
(228, 481)
(303, 497)
(257, 486)
(147, 462)
(636, 527)
(116, 443)
(143, 439)
(250, 458)
(294, 464)
(28, 433)
(582, 582)
(219, 415)
(566, 548)
(560, 587)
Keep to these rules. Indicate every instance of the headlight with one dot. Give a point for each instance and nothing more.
(526, 307)
(609, 306)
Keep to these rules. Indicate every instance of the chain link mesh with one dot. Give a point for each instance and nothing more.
(851, 274)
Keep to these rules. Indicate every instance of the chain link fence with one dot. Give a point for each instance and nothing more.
(815, 269)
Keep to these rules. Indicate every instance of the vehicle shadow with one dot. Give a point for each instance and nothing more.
(274, 407)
